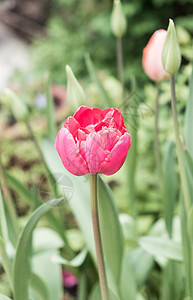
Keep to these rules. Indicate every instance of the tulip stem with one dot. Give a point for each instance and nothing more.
(156, 133)
(97, 237)
(120, 63)
(183, 175)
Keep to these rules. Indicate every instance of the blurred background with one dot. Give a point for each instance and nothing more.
(39, 38)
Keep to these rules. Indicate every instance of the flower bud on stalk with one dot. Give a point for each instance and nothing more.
(75, 93)
(152, 60)
(171, 55)
(15, 104)
(118, 20)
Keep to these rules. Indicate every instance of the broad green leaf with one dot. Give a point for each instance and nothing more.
(173, 281)
(96, 294)
(190, 224)
(22, 258)
(2, 297)
(77, 261)
(189, 168)
(50, 117)
(112, 238)
(186, 245)
(93, 75)
(39, 286)
(50, 272)
(128, 284)
(45, 239)
(141, 264)
(189, 119)
(162, 247)
(80, 200)
(82, 286)
(169, 185)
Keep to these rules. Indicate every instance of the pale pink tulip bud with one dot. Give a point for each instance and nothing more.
(152, 56)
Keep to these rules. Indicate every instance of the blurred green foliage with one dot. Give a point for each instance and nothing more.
(77, 27)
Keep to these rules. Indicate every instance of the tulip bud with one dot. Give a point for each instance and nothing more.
(171, 55)
(15, 104)
(75, 93)
(152, 60)
(118, 20)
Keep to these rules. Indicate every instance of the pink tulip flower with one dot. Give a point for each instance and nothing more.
(93, 141)
(152, 56)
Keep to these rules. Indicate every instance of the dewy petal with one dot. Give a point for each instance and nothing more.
(116, 158)
(93, 152)
(68, 151)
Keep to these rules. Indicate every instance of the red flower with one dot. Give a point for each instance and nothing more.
(93, 141)
(152, 56)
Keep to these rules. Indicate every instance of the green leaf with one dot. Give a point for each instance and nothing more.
(50, 116)
(43, 266)
(128, 284)
(3, 220)
(189, 167)
(162, 247)
(6, 262)
(93, 75)
(186, 245)
(45, 239)
(21, 263)
(39, 286)
(190, 224)
(96, 294)
(141, 264)
(112, 238)
(2, 297)
(169, 185)
(188, 119)
(19, 188)
(82, 286)
(75, 262)
(173, 281)
(80, 201)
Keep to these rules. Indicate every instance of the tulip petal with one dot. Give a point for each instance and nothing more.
(71, 124)
(68, 151)
(86, 116)
(151, 61)
(116, 158)
(93, 152)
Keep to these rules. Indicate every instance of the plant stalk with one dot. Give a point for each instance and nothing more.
(120, 63)
(97, 237)
(183, 175)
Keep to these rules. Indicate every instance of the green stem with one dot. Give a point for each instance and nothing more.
(97, 237)
(183, 176)
(9, 201)
(156, 133)
(120, 63)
